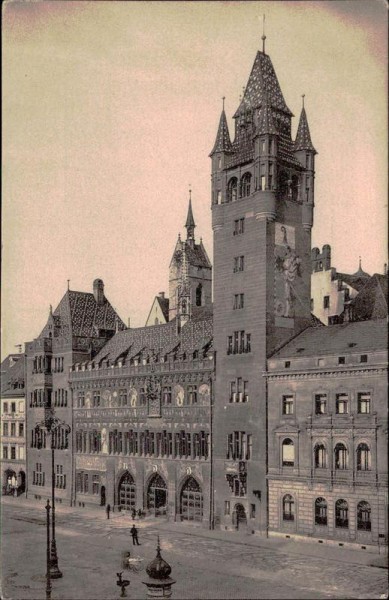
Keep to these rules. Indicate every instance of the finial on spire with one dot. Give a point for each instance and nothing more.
(68, 283)
(190, 192)
(223, 101)
(158, 545)
(190, 224)
(360, 263)
(303, 96)
(263, 34)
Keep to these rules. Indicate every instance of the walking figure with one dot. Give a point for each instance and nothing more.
(134, 533)
(108, 509)
(140, 513)
(133, 513)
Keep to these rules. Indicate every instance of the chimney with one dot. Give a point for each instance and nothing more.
(129, 323)
(162, 295)
(98, 291)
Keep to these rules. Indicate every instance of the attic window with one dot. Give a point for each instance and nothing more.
(287, 364)
(363, 358)
(300, 350)
(341, 360)
(352, 344)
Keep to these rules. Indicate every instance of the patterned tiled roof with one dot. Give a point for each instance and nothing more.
(263, 78)
(189, 219)
(285, 151)
(160, 339)
(303, 138)
(266, 123)
(12, 376)
(78, 314)
(164, 306)
(372, 300)
(355, 281)
(362, 336)
(223, 141)
(196, 255)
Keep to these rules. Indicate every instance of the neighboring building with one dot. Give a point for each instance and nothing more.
(327, 435)
(159, 312)
(262, 214)
(142, 409)
(13, 427)
(331, 292)
(78, 328)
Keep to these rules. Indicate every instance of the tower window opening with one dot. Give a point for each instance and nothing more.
(232, 190)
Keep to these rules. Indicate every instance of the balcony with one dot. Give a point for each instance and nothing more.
(160, 368)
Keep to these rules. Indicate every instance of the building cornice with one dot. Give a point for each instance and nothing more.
(326, 372)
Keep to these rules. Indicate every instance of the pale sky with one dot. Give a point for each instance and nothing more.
(110, 110)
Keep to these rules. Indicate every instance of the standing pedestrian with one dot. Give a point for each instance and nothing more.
(133, 514)
(140, 513)
(134, 533)
(108, 509)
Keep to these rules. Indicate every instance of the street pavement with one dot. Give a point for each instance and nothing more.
(204, 564)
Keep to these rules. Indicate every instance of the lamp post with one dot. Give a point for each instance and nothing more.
(48, 580)
(52, 425)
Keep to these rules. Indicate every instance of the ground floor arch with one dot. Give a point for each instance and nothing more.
(239, 516)
(126, 492)
(14, 483)
(157, 496)
(191, 500)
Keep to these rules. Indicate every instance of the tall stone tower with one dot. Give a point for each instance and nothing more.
(190, 275)
(262, 214)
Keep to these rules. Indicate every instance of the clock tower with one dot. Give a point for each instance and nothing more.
(262, 214)
(190, 275)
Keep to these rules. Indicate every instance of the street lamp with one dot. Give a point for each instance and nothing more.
(52, 425)
(48, 581)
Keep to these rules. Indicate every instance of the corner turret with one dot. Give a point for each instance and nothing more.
(221, 149)
(305, 154)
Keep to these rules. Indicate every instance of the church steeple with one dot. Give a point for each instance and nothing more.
(190, 224)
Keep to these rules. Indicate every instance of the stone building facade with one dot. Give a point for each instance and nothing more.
(262, 214)
(13, 425)
(327, 435)
(77, 329)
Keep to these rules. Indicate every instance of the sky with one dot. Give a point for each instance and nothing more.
(110, 110)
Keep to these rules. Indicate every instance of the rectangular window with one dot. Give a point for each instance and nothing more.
(192, 394)
(363, 358)
(13, 429)
(341, 360)
(320, 404)
(5, 452)
(60, 478)
(142, 396)
(81, 399)
(95, 484)
(5, 407)
(238, 301)
(238, 226)
(123, 397)
(167, 395)
(326, 302)
(233, 393)
(229, 344)
(263, 182)
(287, 405)
(13, 407)
(364, 401)
(96, 398)
(341, 407)
(5, 429)
(287, 364)
(238, 264)
(252, 511)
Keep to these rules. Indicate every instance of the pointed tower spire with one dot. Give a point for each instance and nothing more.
(266, 123)
(190, 224)
(223, 140)
(303, 137)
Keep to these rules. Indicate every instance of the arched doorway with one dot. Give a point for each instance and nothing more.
(126, 492)
(240, 515)
(157, 496)
(191, 501)
(10, 482)
(102, 495)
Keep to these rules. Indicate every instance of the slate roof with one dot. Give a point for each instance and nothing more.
(12, 376)
(196, 255)
(263, 79)
(372, 300)
(189, 219)
(160, 339)
(78, 314)
(223, 140)
(364, 336)
(164, 306)
(303, 138)
(266, 123)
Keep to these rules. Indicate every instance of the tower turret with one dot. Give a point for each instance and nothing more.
(305, 154)
(221, 149)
